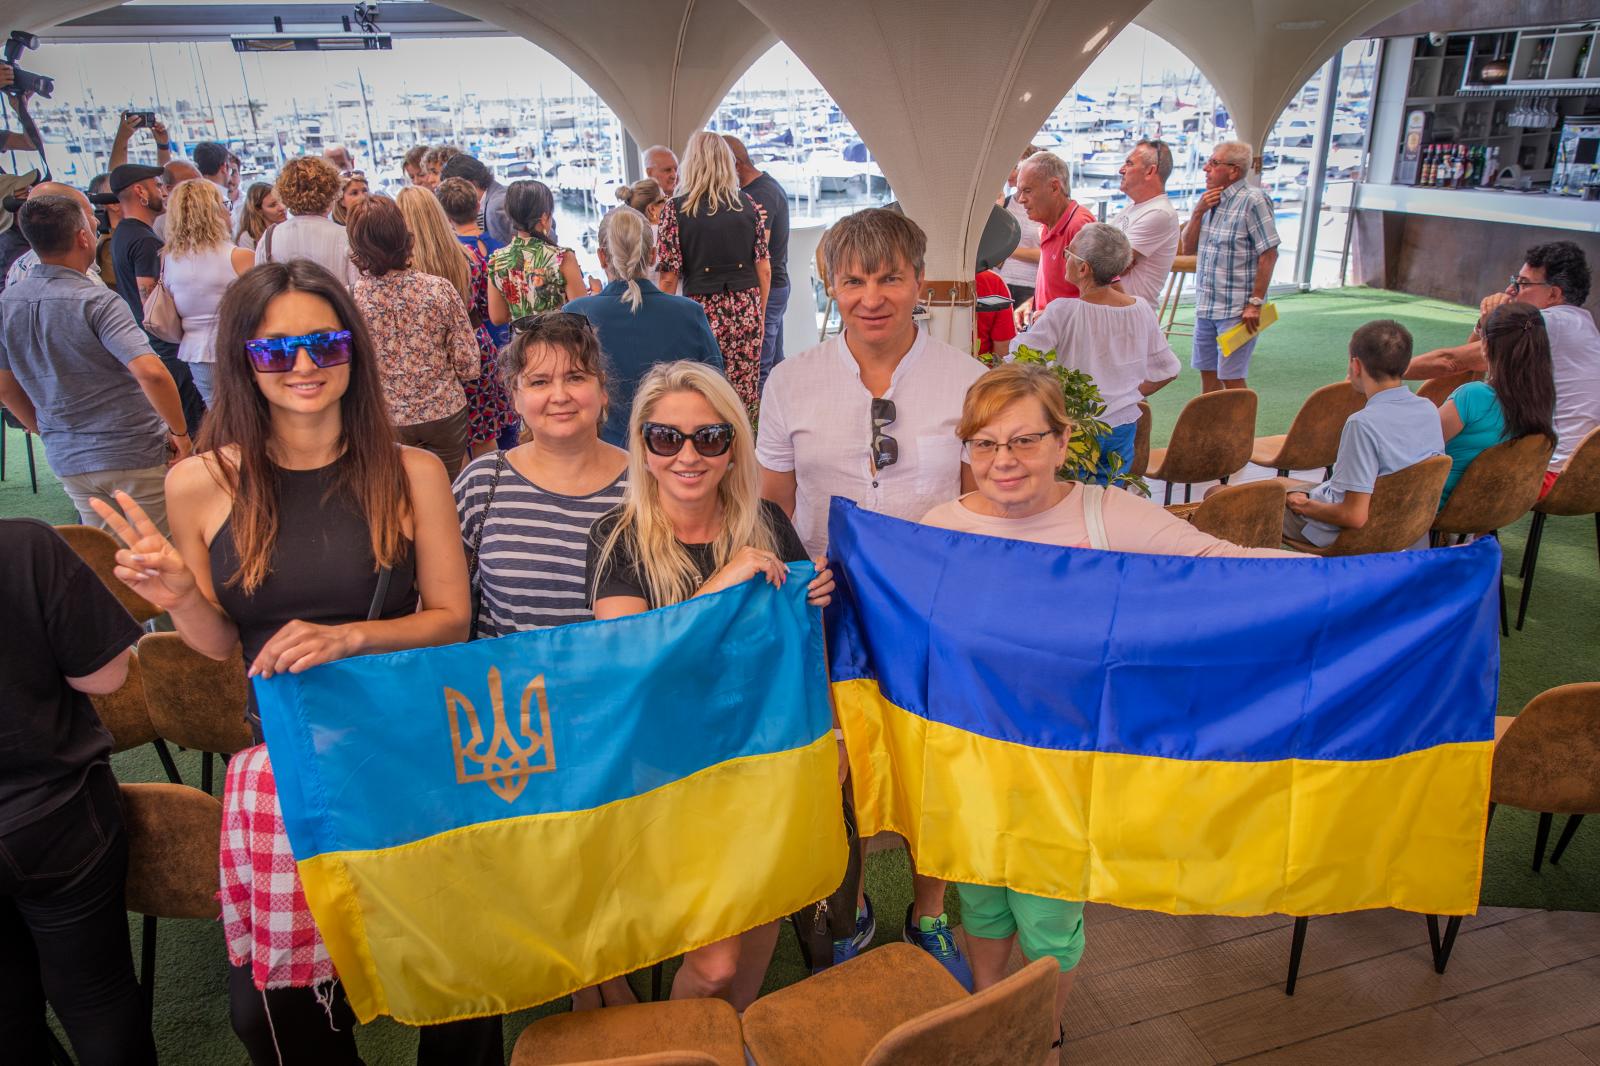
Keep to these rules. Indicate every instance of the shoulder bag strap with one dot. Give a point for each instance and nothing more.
(1094, 503)
(267, 238)
(379, 594)
(477, 546)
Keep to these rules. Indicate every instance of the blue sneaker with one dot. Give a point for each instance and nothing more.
(933, 936)
(851, 946)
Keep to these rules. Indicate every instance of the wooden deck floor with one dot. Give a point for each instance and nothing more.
(1521, 987)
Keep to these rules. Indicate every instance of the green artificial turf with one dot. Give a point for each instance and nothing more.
(1306, 349)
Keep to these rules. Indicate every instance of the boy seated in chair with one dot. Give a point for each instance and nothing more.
(1395, 430)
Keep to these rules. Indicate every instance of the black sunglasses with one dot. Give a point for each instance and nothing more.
(885, 449)
(709, 441)
(534, 323)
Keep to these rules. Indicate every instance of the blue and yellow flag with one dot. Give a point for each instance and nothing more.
(1195, 736)
(487, 826)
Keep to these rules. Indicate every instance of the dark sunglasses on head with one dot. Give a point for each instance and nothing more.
(709, 441)
(533, 323)
(277, 355)
(885, 449)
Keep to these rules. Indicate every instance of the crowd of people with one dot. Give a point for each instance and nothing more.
(575, 451)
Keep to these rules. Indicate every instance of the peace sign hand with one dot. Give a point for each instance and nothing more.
(149, 565)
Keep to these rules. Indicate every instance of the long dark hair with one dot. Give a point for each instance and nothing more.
(528, 201)
(1518, 350)
(372, 474)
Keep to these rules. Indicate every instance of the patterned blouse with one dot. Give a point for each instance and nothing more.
(425, 343)
(528, 274)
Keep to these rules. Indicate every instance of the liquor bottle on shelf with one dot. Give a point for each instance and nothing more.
(1430, 164)
(1491, 166)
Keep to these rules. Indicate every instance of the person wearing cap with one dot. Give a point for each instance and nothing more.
(136, 258)
(76, 369)
(12, 242)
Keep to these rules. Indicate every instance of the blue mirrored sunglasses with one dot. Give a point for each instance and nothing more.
(277, 355)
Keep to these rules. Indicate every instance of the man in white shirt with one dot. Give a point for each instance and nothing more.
(661, 166)
(1554, 278)
(1150, 222)
(871, 415)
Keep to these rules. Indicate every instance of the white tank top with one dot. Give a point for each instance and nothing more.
(197, 281)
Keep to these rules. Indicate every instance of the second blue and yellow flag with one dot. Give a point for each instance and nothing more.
(488, 826)
(1195, 736)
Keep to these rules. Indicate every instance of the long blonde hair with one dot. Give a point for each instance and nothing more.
(197, 221)
(630, 250)
(434, 248)
(709, 179)
(669, 573)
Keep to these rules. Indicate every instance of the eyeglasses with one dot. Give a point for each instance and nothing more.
(534, 323)
(1517, 284)
(709, 441)
(277, 355)
(1023, 446)
(885, 449)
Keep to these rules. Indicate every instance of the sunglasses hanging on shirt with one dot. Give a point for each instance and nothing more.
(885, 449)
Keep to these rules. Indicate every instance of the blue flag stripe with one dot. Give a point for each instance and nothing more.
(1343, 659)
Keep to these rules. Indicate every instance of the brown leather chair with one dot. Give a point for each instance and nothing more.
(1141, 442)
(123, 712)
(1404, 504)
(1495, 490)
(1211, 441)
(1576, 492)
(1313, 437)
(99, 549)
(1182, 266)
(1547, 759)
(1438, 389)
(1249, 515)
(707, 1027)
(895, 1006)
(195, 702)
(174, 841)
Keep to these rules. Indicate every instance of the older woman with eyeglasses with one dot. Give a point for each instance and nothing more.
(1015, 433)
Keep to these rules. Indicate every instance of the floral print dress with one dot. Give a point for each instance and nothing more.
(736, 317)
(528, 274)
(489, 409)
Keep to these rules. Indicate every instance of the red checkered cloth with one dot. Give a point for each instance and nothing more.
(264, 914)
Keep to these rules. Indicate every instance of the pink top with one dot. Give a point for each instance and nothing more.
(1132, 524)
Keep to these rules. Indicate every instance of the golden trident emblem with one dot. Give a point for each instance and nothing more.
(506, 764)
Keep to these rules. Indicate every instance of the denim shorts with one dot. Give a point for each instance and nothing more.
(1207, 356)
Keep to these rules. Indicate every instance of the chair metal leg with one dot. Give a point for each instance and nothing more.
(655, 982)
(1282, 472)
(58, 1054)
(1167, 500)
(1567, 832)
(1530, 562)
(205, 772)
(1542, 839)
(1442, 946)
(147, 968)
(1296, 949)
(33, 474)
(1188, 490)
(1490, 820)
(166, 761)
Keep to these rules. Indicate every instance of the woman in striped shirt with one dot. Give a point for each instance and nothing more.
(541, 497)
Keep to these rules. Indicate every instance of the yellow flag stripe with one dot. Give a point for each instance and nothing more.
(703, 858)
(1294, 836)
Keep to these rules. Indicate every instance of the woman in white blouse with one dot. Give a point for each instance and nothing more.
(199, 262)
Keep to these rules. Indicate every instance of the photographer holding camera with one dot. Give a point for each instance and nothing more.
(15, 142)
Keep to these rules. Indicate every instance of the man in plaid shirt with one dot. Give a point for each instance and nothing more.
(1237, 248)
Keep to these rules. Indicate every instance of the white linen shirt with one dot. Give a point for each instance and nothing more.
(1575, 357)
(1120, 347)
(314, 237)
(816, 420)
(1152, 229)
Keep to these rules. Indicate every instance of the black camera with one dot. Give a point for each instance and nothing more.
(25, 81)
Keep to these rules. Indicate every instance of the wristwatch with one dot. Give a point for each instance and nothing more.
(1255, 301)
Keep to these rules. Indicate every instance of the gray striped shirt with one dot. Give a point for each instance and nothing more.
(535, 544)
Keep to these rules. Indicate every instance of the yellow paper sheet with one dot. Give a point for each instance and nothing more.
(1230, 341)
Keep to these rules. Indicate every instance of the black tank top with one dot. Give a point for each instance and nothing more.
(322, 569)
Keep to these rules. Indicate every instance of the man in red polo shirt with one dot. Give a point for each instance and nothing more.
(1044, 189)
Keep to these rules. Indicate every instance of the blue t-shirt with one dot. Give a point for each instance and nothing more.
(1395, 430)
(664, 329)
(1483, 425)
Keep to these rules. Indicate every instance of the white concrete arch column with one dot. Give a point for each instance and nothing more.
(662, 65)
(947, 93)
(1258, 53)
